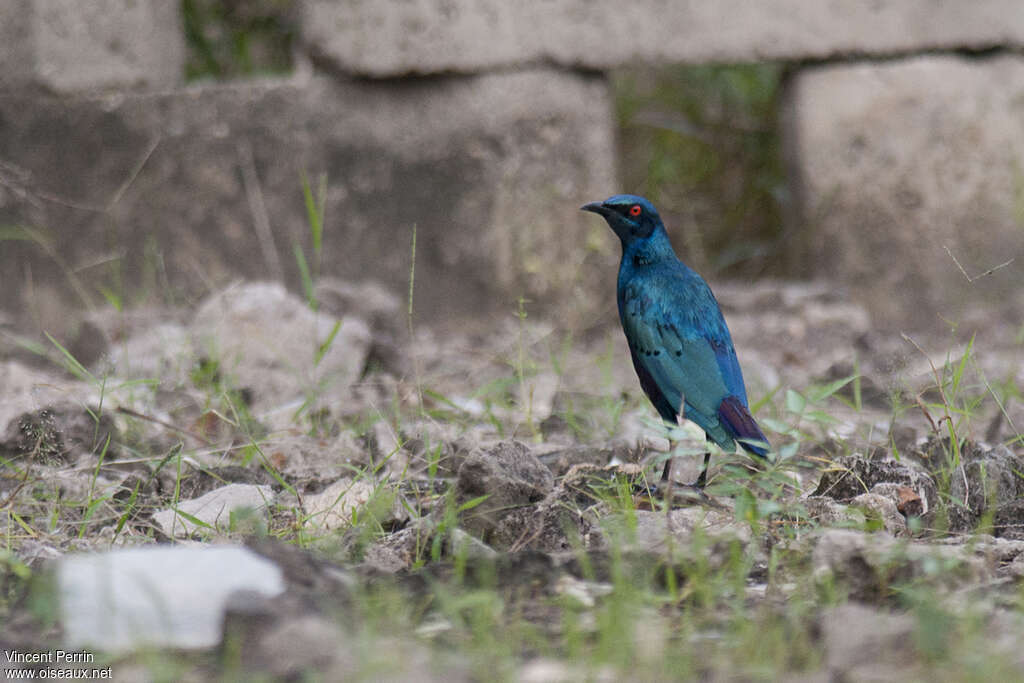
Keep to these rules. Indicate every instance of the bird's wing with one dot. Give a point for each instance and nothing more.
(678, 339)
(728, 364)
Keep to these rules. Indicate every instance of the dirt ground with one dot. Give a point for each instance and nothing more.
(485, 500)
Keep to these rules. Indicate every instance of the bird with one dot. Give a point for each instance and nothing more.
(678, 339)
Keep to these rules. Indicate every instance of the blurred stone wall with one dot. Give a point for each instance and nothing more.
(485, 124)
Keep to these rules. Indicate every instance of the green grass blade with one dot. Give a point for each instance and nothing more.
(314, 211)
(71, 363)
(307, 278)
(326, 346)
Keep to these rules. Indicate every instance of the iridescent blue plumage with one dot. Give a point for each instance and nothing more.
(680, 344)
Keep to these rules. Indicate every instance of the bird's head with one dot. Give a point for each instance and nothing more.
(631, 217)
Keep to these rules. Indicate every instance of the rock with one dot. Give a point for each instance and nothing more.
(61, 434)
(490, 169)
(309, 576)
(381, 308)
(560, 461)
(862, 643)
(1009, 520)
(658, 535)
(266, 340)
(470, 547)
(827, 512)
(553, 525)
(537, 397)
(861, 133)
(163, 351)
(26, 388)
(336, 506)
(564, 521)
(908, 502)
(405, 549)
(986, 480)
(214, 509)
(307, 460)
(867, 566)
(68, 46)
(302, 646)
(443, 443)
(432, 37)
(1015, 569)
(509, 475)
(198, 481)
(881, 511)
(849, 476)
(545, 670)
(1003, 556)
(399, 550)
(386, 447)
(171, 597)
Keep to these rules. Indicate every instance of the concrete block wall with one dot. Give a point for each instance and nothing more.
(487, 168)
(486, 124)
(69, 46)
(908, 171)
(431, 36)
(185, 188)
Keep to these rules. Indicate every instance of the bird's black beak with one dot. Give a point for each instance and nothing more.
(596, 207)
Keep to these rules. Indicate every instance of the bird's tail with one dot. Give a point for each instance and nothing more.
(736, 418)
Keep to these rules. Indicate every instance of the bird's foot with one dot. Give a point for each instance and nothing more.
(678, 495)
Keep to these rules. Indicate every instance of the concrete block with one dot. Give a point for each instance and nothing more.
(156, 596)
(162, 194)
(898, 161)
(435, 36)
(71, 46)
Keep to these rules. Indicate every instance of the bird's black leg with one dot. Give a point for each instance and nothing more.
(667, 475)
(702, 478)
(693, 492)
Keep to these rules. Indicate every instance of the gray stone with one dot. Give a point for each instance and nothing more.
(664, 536)
(907, 501)
(382, 308)
(61, 433)
(490, 170)
(898, 161)
(307, 459)
(466, 545)
(69, 46)
(1009, 520)
(345, 500)
(850, 476)
(27, 388)
(163, 351)
(437, 36)
(303, 645)
(509, 475)
(828, 513)
(862, 643)
(986, 480)
(562, 460)
(400, 550)
(881, 510)
(267, 340)
(160, 597)
(404, 549)
(214, 509)
(556, 524)
(868, 565)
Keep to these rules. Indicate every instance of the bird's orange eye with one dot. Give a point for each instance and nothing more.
(635, 210)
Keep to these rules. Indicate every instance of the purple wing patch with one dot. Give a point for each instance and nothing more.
(738, 421)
